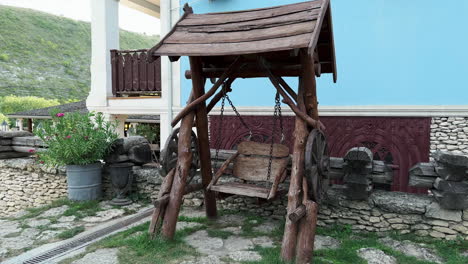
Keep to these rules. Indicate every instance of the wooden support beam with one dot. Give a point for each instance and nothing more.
(161, 201)
(251, 71)
(198, 82)
(159, 210)
(182, 169)
(288, 248)
(195, 103)
(287, 88)
(287, 100)
(193, 188)
(297, 214)
(220, 94)
(307, 228)
(308, 74)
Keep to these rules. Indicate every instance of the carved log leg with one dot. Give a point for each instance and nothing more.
(288, 248)
(198, 83)
(181, 171)
(159, 210)
(307, 227)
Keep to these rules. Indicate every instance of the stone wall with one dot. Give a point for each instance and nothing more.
(24, 184)
(382, 212)
(449, 134)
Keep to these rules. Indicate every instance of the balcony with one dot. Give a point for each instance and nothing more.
(133, 76)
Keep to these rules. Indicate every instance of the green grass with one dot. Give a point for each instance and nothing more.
(71, 232)
(49, 56)
(136, 247)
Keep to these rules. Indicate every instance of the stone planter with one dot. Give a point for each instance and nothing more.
(84, 182)
(121, 179)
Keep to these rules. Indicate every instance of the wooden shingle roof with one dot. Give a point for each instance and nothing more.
(279, 28)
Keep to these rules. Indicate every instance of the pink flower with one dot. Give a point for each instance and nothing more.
(67, 137)
(59, 114)
(31, 150)
(42, 162)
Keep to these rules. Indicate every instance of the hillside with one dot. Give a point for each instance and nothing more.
(49, 56)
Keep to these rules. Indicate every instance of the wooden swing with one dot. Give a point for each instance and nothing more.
(254, 161)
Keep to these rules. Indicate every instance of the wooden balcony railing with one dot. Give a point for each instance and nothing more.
(132, 75)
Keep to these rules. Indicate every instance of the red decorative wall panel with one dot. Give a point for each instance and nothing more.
(401, 141)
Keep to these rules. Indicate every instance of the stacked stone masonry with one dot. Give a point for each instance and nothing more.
(24, 183)
(449, 134)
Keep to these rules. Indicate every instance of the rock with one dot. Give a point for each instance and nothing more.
(64, 225)
(17, 243)
(116, 158)
(104, 216)
(326, 242)
(465, 215)
(12, 134)
(435, 211)
(54, 211)
(205, 244)
(263, 241)
(37, 222)
(70, 218)
(8, 227)
(411, 249)
(150, 174)
(235, 243)
(193, 213)
(266, 227)
(101, 256)
(204, 260)
(236, 230)
(375, 256)
(231, 220)
(245, 256)
(182, 225)
(398, 202)
(48, 234)
(140, 154)
(130, 142)
(3, 252)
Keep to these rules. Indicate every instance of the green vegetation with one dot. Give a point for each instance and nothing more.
(75, 138)
(138, 248)
(12, 104)
(49, 56)
(71, 232)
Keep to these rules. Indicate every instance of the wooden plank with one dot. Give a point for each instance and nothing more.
(151, 84)
(237, 48)
(120, 73)
(186, 37)
(242, 189)
(135, 72)
(218, 19)
(157, 74)
(27, 141)
(254, 9)
(12, 155)
(143, 70)
(128, 68)
(318, 27)
(255, 168)
(263, 149)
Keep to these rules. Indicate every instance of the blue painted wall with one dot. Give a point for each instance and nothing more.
(389, 52)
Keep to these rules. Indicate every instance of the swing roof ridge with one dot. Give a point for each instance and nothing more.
(304, 25)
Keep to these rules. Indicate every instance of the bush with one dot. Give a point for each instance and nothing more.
(12, 104)
(75, 138)
(4, 57)
(150, 132)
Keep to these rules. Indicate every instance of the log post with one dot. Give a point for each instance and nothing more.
(159, 208)
(203, 139)
(310, 89)
(182, 168)
(307, 227)
(288, 248)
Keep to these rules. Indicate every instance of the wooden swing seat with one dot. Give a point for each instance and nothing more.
(250, 163)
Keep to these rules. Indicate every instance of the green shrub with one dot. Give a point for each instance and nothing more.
(12, 104)
(150, 132)
(4, 57)
(75, 138)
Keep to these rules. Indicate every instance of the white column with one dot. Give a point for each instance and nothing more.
(104, 37)
(120, 129)
(164, 130)
(20, 124)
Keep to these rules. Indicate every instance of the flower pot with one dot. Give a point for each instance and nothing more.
(84, 182)
(121, 179)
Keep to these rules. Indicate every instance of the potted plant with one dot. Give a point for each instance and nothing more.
(78, 141)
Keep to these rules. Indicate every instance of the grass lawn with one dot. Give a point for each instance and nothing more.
(136, 247)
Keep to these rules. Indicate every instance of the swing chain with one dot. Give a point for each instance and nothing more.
(218, 140)
(276, 115)
(239, 116)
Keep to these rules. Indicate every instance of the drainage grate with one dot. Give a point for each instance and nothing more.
(88, 238)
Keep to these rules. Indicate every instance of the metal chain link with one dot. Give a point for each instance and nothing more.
(276, 115)
(239, 116)
(218, 141)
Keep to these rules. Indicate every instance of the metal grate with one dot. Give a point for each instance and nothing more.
(88, 238)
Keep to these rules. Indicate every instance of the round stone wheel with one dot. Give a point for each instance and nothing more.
(317, 165)
(169, 154)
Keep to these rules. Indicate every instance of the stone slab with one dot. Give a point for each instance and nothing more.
(435, 211)
(398, 202)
